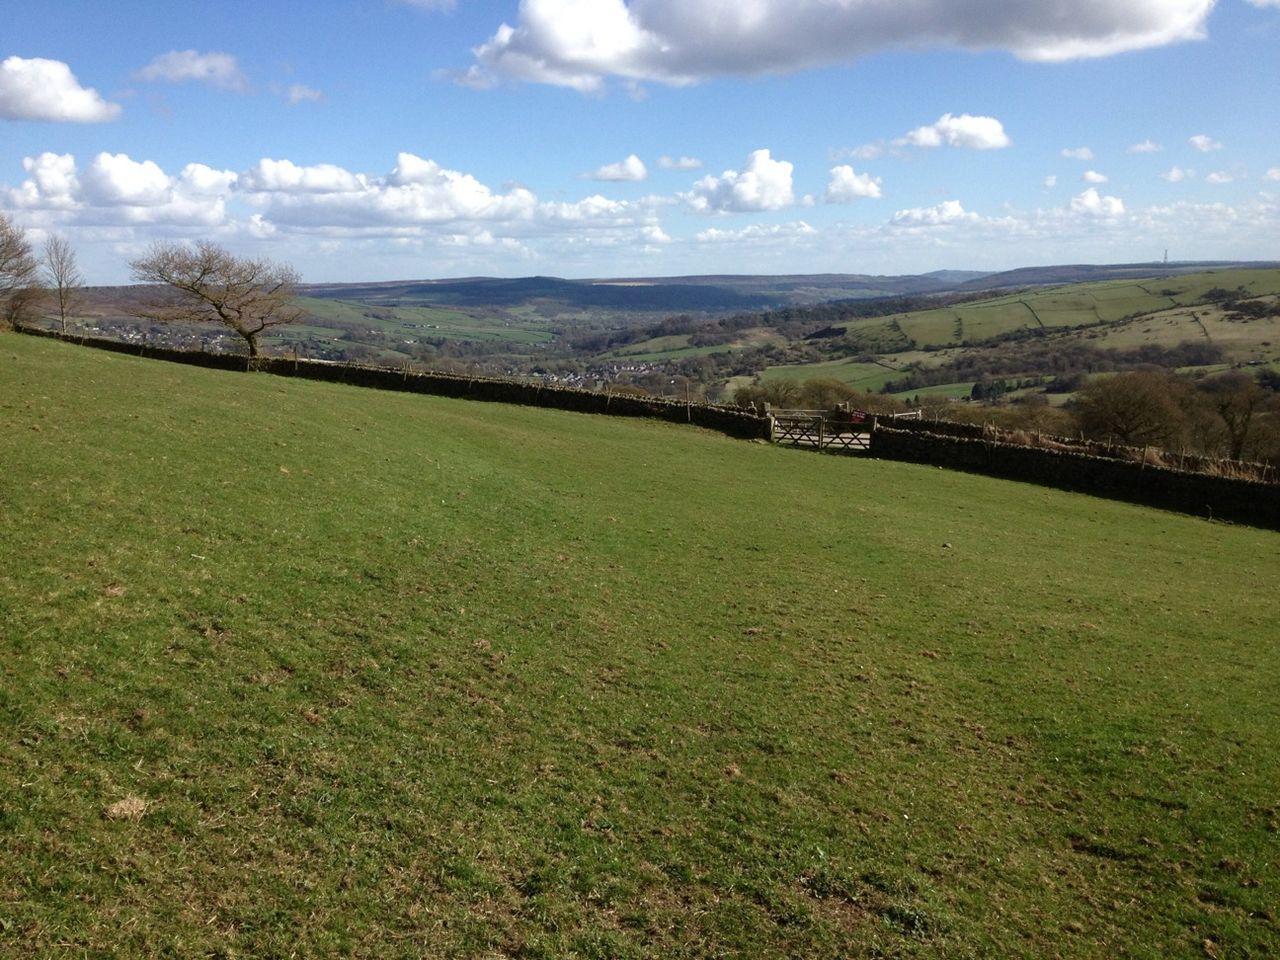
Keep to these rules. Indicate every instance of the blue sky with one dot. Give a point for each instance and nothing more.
(392, 139)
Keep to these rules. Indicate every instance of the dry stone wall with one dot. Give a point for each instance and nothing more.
(1221, 498)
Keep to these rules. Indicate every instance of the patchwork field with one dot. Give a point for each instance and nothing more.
(1076, 305)
(289, 668)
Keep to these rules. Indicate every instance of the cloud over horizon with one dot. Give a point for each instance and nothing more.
(763, 184)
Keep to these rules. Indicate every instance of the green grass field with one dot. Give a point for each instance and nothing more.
(1074, 305)
(425, 322)
(869, 377)
(291, 668)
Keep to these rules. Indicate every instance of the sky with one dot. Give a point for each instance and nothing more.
(362, 140)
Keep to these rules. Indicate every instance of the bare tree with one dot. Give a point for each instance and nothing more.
(62, 276)
(19, 280)
(211, 285)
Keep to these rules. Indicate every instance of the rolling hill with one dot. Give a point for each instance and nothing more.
(291, 667)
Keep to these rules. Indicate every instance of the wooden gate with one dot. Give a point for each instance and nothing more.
(821, 430)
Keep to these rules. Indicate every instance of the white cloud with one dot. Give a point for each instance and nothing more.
(287, 177)
(1272, 174)
(1204, 143)
(679, 163)
(974, 133)
(1077, 153)
(1092, 204)
(1177, 174)
(52, 183)
(578, 43)
(1050, 181)
(300, 93)
(40, 89)
(114, 179)
(846, 186)
(200, 180)
(630, 170)
(1093, 176)
(757, 231)
(947, 212)
(116, 190)
(1146, 146)
(1220, 176)
(178, 66)
(765, 184)
(868, 151)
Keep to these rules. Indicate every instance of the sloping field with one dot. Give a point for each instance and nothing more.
(289, 668)
(1074, 305)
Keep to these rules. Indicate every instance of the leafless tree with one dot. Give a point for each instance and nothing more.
(62, 276)
(209, 284)
(19, 279)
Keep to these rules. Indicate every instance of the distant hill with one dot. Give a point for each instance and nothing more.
(1088, 273)
(714, 293)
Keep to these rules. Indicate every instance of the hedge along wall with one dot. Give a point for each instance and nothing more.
(1221, 498)
(733, 422)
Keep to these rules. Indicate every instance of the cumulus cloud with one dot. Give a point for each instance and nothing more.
(285, 176)
(39, 89)
(1146, 146)
(419, 198)
(52, 183)
(1095, 205)
(679, 163)
(757, 231)
(578, 43)
(764, 184)
(630, 170)
(115, 179)
(947, 212)
(179, 66)
(1204, 143)
(198, 179)
(1177, 174)
(115, 189)
(846, 186)
(974, 133)
(1077, 153)
(1272, 174)
(1093, 176)
(1220, 176)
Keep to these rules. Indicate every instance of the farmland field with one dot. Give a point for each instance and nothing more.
(1076, 305)
(295, 668)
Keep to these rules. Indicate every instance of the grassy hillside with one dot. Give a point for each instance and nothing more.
(292, 668)
(1075, 305)
(1120, 314)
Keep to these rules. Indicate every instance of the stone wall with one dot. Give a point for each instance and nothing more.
(1220, 498)
(727, 420)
